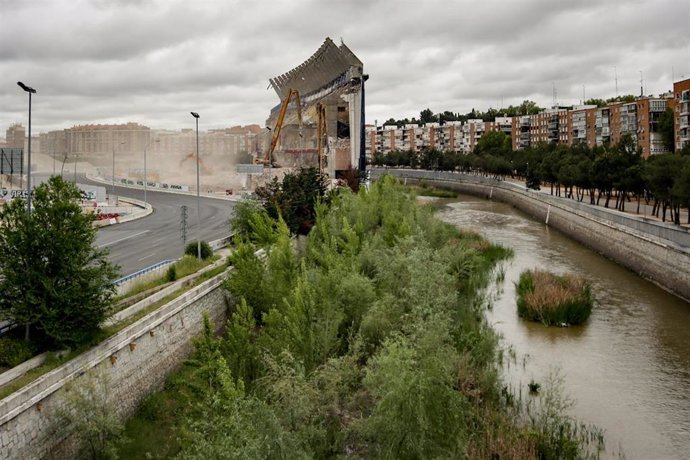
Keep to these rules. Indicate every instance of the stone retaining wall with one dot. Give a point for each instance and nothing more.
(134, 362)
(661, 261)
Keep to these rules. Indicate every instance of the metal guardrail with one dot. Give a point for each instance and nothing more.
(215, 246)
(6, 326)
(143, 271)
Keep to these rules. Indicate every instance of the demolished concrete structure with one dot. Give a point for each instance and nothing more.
(331, 79)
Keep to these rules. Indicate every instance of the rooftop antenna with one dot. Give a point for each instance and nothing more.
(555, 95)
(641, 85)
(615, 76)
(583, 95)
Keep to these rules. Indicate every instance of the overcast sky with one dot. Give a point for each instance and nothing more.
(154, 61)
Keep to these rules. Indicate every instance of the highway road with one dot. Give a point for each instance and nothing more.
(143, 242)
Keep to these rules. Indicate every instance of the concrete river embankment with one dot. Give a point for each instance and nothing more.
(658, 252)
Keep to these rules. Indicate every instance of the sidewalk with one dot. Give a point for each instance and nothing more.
(645, 213)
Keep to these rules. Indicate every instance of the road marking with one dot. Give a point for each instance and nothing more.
(145, 257)
(122, 239)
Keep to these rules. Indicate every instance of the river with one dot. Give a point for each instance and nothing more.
(627, 368)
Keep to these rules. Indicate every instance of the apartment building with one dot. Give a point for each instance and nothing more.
(578, 125)
(582, 123)
(521, 128)
(602, 126)
(97, 141)
(681, 113)
(15, 137)
(649, 111)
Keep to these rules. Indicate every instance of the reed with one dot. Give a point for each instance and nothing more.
(554, 300)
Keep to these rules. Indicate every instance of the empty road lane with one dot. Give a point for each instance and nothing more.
(143, 242)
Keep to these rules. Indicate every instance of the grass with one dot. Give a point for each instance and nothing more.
(185, 266)
(554, 300)
(427, 190)
(54, 361)
(153, 432)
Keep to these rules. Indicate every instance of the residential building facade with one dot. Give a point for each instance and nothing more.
(681, 113)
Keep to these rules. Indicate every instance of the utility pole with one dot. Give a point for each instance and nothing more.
(183, 223)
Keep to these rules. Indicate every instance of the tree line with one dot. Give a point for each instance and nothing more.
(527, 107)
(612, 175)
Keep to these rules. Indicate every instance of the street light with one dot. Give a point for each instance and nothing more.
(31, 91)
(112, 192)
(198, 207)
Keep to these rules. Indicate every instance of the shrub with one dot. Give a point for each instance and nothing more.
(171, 274)
(559, 300)
(14, 351)
(192, 250)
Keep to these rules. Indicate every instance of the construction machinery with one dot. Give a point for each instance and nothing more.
(268, 158)
(322, 135)
(204, 169)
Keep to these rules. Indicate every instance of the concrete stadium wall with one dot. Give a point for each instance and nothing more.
(134, 362)
(631, 242)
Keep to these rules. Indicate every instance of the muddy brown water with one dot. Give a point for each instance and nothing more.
(627, 368)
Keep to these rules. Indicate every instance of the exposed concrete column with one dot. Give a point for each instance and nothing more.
(355, 115)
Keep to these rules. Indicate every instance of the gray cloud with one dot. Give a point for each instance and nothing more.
(152, 61)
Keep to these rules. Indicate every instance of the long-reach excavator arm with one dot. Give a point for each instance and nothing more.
(268, 158)
(322, 135)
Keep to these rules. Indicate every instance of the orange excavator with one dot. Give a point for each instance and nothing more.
(268, 158)
(322, 135)
(202, 166)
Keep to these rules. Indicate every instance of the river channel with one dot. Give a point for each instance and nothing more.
(627, 368)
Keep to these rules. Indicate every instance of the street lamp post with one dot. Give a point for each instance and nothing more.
(198, 207)
(31, 91)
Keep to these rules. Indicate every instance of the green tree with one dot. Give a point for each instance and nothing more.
(681, 188)
(597, 102)
(660, 174)
(427, 116)
(430, 158)
(54, 281)
(667, 129)
(294, 198)
(529, 108)
(495, 143)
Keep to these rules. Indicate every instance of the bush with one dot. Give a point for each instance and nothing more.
(171, 274)
(14, 351)
(192, 250)
(553, 299)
